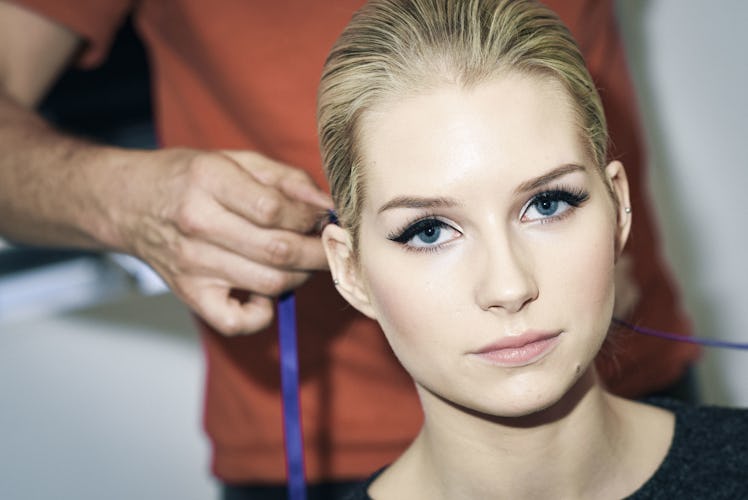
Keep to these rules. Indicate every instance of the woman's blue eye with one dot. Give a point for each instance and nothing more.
(546, 208)
(430, 234)
(425, 234)
(555, 203)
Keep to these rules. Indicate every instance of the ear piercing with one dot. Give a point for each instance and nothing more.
(627, 210)
(335, 282)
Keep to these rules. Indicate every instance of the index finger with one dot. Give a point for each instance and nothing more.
(292, 181)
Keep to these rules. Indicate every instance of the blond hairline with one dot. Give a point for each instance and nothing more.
(377, 59)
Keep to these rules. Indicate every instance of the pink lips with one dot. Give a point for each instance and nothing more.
(520, 350)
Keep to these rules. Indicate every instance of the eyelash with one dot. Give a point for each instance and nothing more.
(574, 197)
(412, 229)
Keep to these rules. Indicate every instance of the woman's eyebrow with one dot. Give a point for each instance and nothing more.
(530, 185)
(544, 179)
(417, 202)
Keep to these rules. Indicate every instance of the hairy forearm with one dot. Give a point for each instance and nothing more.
(56, 189)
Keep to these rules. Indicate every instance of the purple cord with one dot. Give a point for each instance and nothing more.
(681, 338)
(292, 431)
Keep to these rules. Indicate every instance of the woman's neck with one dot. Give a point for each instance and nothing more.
(584, 446)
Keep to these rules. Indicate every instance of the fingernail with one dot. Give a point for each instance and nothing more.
(322, 198)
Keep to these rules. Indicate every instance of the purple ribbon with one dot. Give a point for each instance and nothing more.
(289, 362)
(680, 338)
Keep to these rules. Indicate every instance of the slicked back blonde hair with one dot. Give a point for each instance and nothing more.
(393, 49)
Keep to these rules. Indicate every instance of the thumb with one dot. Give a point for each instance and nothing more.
(231, 315)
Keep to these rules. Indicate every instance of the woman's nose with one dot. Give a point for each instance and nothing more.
(506, 278)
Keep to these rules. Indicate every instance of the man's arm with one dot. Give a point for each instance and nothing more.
(207, 222)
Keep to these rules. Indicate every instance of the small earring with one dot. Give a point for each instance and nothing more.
(335, 282)
(627, 210)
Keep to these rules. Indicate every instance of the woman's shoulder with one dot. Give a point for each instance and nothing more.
(708, 427)
(708, 457)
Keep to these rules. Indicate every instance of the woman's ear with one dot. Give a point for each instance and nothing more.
(616, 175)
(345, 272)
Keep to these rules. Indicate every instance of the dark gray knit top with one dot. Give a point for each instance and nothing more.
(708, 458)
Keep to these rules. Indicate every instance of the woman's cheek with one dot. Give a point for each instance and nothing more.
(407, 294)
(589, 270)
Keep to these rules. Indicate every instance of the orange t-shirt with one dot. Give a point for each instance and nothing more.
(243, 74)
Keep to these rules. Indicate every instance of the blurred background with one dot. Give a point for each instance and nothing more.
(101, 369)
(690, 71)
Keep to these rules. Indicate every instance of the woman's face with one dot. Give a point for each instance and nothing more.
(487, 242)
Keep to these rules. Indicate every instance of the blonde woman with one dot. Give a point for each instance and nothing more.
(480, 224)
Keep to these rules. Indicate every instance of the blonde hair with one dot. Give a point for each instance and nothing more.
(395, 48)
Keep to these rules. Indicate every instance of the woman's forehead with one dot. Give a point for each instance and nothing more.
(514, 126)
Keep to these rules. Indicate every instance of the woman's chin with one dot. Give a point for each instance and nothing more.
(526, 405)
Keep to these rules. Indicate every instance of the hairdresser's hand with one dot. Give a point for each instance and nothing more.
(213, 222)
(206, 222)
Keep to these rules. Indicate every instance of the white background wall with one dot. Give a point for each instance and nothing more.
(691, 69)
(103, 403)
(106, 402)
